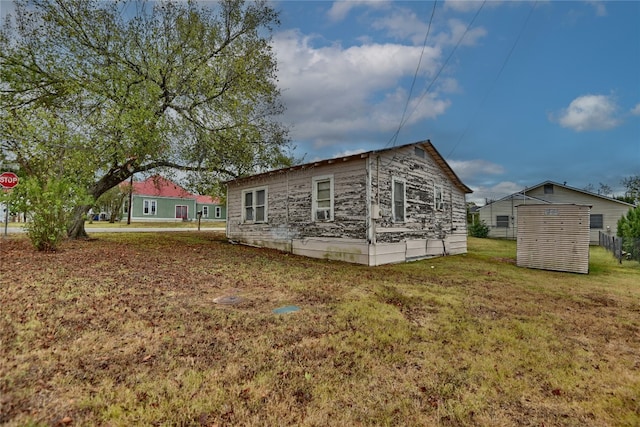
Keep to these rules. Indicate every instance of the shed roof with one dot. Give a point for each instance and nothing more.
(426, 145)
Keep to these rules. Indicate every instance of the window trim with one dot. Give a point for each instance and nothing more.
(314, 198)
(217, 212)
(205, 212)
(254, 197)
(403, 181)
(149, 207)
(500, 222)
(591, 226)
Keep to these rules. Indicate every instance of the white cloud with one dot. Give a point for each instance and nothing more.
(590, 112)
(636, 110)
(471, 168)
(494, 192)
(456, 32)
(330, 91)
(340, 9)
(469, 5)
(600, 8)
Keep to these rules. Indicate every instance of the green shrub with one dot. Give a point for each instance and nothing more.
(479, 229)
(49, 205)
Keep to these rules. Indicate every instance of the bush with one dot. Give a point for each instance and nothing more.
(49, 205)
(629, 230)
(479, 229)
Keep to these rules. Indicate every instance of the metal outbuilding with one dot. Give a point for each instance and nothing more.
(554, 237)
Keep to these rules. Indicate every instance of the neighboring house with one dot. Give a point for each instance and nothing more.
(502, 217)
(159, 199)
(384, 206)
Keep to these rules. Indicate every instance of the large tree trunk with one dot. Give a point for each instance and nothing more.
(76, 227)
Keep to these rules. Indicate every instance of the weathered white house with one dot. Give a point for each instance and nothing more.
(502, 216)
(391, 205)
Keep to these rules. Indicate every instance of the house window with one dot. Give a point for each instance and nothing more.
(438, 197)
(398, 195)
(182, 212)
(596, 221)
(254, 205)
(217, 211)
(548, 189)
(419, 152)
(502, 221)
(125, 207)
(322, 205)
(149, 207)
(205, 212)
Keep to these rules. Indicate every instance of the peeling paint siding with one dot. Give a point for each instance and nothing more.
(289, 205)
(423, 220)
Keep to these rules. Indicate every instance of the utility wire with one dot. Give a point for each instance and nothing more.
(426, 91)
(394, 138)
(495, 81)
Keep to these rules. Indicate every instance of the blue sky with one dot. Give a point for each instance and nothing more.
(534, 91)
(512, 93)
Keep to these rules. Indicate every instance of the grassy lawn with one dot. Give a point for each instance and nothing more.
(123, 330)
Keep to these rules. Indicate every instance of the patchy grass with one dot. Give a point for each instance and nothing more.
(123, 330)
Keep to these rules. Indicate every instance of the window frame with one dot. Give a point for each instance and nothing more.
(548, 189)
(149, 207)
(205, 212)
(254, 196)
(314, 198)
(500, 221)
(217, 212)
(438, 202)
(591, 225)
(394, 202)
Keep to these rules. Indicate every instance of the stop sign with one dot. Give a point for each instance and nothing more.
(8, 180)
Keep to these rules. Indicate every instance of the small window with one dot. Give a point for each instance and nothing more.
(548, 189)
(322, 209)
(205, 212)
(420, 152)
(125, 207)
(438, 198)
(502, 221)
(149, 207)
(596, 221)
(255, 205)
(217, 211)
(398, 194)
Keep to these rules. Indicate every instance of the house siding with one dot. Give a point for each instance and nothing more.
(423, 222)
(610, 210)
(289, 202)
(507, 207)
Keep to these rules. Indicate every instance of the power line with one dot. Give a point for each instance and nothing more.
(394, 138)
(426, 91)
(495, 81)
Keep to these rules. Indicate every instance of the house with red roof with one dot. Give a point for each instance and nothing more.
(160, 199)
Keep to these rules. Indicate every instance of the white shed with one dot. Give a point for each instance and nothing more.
(554, 237)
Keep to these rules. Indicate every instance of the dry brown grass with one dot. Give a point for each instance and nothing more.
(123, 330)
